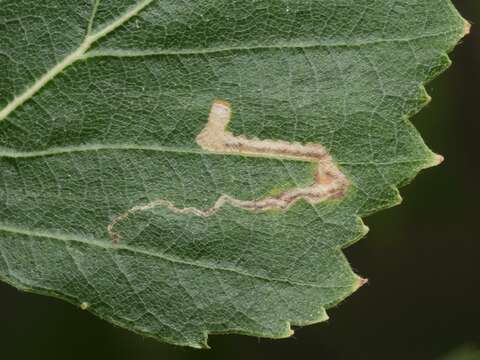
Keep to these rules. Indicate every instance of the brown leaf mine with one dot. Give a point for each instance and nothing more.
(328, 182)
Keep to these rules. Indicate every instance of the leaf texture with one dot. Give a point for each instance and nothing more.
(101, 105)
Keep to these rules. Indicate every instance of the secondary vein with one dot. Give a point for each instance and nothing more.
(277, 46)
(107, 245)
(70, 59)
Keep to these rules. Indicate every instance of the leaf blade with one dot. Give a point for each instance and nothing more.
(74, 156)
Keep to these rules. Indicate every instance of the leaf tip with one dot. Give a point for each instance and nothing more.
(359, 283)
(467, 27)
(438, 159)
(428, 99)
(365, 229)
(201, 343)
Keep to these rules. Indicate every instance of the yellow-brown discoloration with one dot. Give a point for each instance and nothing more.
(328, 182)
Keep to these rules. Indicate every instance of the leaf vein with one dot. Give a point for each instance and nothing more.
(300, 45)
(107, 245)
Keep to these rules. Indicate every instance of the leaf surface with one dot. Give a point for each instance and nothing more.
(106, 183)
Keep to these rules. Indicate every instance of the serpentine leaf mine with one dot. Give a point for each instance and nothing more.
(328, 182)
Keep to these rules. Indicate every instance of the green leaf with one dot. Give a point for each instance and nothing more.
(117, 195)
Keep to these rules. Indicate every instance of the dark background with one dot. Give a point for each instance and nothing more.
(422, 259)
